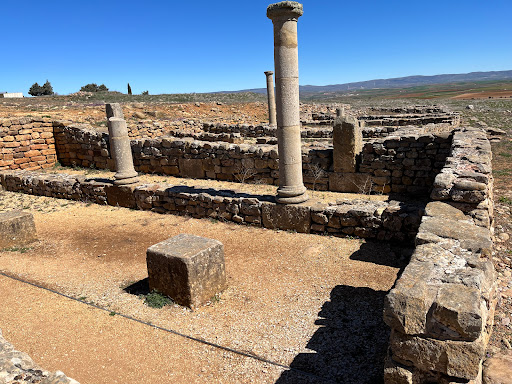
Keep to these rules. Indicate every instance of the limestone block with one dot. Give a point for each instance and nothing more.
(395, 373)
(192, 168)
(407, 305)
(347, 139)
(286, 217)
(458, 359)
(458, 313)
(121, 195)
(188, 268)
(471, 237)
(16, 228)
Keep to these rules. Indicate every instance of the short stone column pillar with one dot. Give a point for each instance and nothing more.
(340, 112)
(284, 16)
(121, 152)
(272, 120)
(347, 141)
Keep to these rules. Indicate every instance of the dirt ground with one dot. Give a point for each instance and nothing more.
(312, 302)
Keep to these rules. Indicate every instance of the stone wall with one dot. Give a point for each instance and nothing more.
(18, 367)
(381, 220)
(405, 164)
(401, 164)
(441, 309)
(466, 181)
(26, 143)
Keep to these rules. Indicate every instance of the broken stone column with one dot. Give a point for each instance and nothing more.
(271, 98)
(113, 110)
(284, 16)
(121, 152)
(347, 141)
(340, 112)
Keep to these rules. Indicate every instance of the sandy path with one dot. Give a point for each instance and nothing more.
(305, 300)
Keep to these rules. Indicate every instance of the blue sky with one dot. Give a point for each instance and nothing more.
(205, 46)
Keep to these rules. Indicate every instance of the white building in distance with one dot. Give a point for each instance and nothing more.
(11, 94)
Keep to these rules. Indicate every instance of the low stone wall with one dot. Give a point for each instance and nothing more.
(401, 164)
(18, 367)
(452, 119)
(405, 164)
(26, 143)
(381, 220)
(466, 181)
(441, 309)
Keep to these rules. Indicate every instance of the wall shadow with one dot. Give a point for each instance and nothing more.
(392, 255)
(351, 345)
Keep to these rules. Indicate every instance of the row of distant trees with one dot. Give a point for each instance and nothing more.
(38, 90)
(47, 90)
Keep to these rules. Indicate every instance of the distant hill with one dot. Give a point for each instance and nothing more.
(400, 82)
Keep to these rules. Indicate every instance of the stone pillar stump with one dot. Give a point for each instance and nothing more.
(187, 268)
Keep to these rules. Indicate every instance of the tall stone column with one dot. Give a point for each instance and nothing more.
(121, 152)
(284, 16)
(271, 98)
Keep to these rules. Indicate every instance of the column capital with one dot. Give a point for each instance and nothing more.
(284, 10)
(269, 73)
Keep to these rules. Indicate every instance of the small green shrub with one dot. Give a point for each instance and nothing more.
(155, 299)
(17, 249)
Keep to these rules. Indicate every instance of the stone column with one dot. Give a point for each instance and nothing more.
(113, 110)
(340, 112)
(121, 152)
(271, 98)
(284, 16)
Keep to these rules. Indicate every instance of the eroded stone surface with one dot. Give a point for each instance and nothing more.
(18, 367)
(187, 268)
(16, 228)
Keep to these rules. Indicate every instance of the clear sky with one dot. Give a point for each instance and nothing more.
(166, 46)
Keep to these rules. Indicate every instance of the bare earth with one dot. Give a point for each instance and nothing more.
(308, 301)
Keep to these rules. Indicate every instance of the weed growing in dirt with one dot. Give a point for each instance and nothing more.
(155, 299)
(17, 249)
(505, 200)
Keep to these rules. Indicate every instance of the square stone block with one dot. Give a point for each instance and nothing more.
(189, 269)
(16, 228)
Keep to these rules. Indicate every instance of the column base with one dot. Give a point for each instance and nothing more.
(128, 178)
(292, 194)
(292, 200)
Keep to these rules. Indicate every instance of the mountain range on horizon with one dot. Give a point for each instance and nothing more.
(398, 82)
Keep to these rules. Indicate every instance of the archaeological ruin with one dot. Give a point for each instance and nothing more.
(436, 174)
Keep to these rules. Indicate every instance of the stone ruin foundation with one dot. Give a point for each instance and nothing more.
(440, 310)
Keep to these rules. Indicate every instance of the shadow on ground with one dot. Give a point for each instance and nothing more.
(351, 344)
(138, 288)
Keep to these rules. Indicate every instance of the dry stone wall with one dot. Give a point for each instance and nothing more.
(18, 367)
(26, 143)
(381, 220)
(401, 164)
(441, 309)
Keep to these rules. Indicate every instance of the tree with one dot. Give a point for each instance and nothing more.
(93, 87)
(145, 93)
(129, 89)
(35, 90)
(47, 88)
